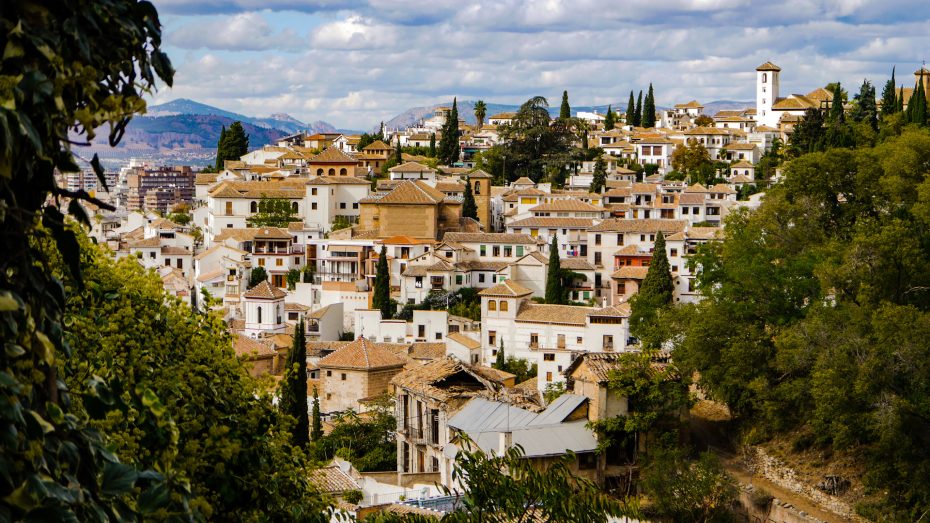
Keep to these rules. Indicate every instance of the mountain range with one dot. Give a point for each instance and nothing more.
(467, 110)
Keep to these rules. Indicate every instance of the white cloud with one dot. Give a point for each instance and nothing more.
(239, 32)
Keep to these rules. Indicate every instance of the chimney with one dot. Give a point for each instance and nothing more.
(505, 441)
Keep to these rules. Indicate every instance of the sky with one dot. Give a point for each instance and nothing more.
(355, 63)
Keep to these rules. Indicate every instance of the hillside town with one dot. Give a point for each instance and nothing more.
(467, 301)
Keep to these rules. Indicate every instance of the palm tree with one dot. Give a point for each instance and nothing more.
(481, 110)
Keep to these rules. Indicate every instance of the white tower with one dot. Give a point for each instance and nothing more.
(766, 93)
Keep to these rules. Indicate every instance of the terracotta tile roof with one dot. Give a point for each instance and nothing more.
(697, 233)
(793, 103)
(523, 180)
(632, 250)
(768, 66)
(622, 310)
(555, 222)
(205, 178)
(147, 243)
(558, 314)
(290, 188)
(362, 354)
(211, 275)
(217, 247)
(430, 379)
(479, 174)
(820, 94)
(332, 155)
(270, 233)
(481, 266)
(376, 145)
(599, 364)
(742, 164)
(502, 116)
(696, 188)
(631, 273)
(705, 131)
(575, 264)
(412, 167)
(246, 347)
(740, 178)
(467, 342)
(567, 205)
(422, 350)
(265, 291)
(450, 187)
(737, 146)
(319, 313)
(405, 240)
(691, 198)
(408, 192)
(506, 288)
(693, 104)
(721, 188)
(299, 307)
(338, 180)
(488, 237)
(644, 188)
(531, 384)
(174, 251)
(639, 225)
(414, 271)
(332, 480)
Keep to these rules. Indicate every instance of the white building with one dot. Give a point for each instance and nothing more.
(264, 310)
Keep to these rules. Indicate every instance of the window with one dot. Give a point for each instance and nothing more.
(355, 205)
(343, 172)
(619, 239)
(421, 331)
(228, 208)
(253, 207)
(418, 282)
(621, 288)
(597, 239)
(313, 206)
(579, 339)
(279, 262)
(313, 191)
(458, 279)
(332, 172)
(549, 356)
(642, 237)
(597, 258)
(180, 263)
(342, 205)
(519, 250)
(765, 77)
(296, 260)
(294, 206)
(673, 252)
(448, 254)
(608, 342)
(492, 339)
(684, 210)
(496, 251)
(329, 373)
(329, 395)
(152, 254)
(483, 250)
(504, 306)
(480, 277)
(560, 341)
(492, 305)
(534, 340)
(477, 188)
(343, 377)
(438, 336)
(549, 376)
(674, 268)
(259, 315)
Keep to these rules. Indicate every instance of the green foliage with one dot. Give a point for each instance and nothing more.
(865, 109)
(565, 111)
(771, 160)
(816, 313)
(531, 142)
(610, 119)
(293, 277)
(649, 109)
(481, 110)
(367, 139)
(638, 113)
(233, 143)
(257, 275)
(381, 298)
(307, 273)
(553, 391)
(292, 392)
(469, 207)
(653, 299)
(684, 490)
(916, 112)
(500, 362)
(631, 110)
(367, 442)
(199, 416)
(63, 77)
(704, 121)
(340, 222)
(316, 422)
(519, 367)
(432, 146)
(809, 134)
(449, 142)
(691, 159)
(353, 496)
(555, 291)
(599, 180)
(273, 212)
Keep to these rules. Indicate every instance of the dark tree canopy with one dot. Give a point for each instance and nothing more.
(532, 142)
(481, 111)
(610, 119)
(469, 207)
(565, 111)
(631, 110)
(381, 299)
(273, 212)
(293, 389)
(257, 275)
(232, 145)
(654, 296)
(449, 144)
(638, 113)
(889, 96)
(649, 109)
(555, 292)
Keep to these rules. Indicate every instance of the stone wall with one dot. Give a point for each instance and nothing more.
(773, 469)
(775, 511)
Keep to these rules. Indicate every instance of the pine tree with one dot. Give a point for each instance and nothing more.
(316, 422)
(382, 291)
(554, 291)
(235, 143)
(432, 145)
(649, 109)
(889, 96)
(837, 115)
(600, 175)
(293, 391)
(638, 115)
(469, 207)
(500, 363)
(221, 149)
(630, 110)
(565, 112)
(257, 275)
(609, 119)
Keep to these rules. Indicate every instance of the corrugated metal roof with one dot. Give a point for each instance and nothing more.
(559, 410)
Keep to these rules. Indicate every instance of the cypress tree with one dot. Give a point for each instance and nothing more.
(917, 105)
(221, 149)
(609, 119)
(654, 294)
(469, 207)
(565, 111)
(837, 115)
(432, 145)
(900, 107)
(316, 423)
(293, 395)
(630, 110)
(649, 109)
(889, 96)
(449, 143)
(865, 109)
(554, 292)
(638, 115)
(600, 175)
(237, 142)
(398, 153)
(500, 362)
(382, 289)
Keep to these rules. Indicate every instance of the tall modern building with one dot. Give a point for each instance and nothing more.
(158, 189)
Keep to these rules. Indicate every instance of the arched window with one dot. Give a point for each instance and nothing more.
(477, 188)
(253, 207)
(492, 305)
(319, 172)
(765, 77)
(504, 306)
(332, 172)
(294, 206)
(259, 314)
(343, 172)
